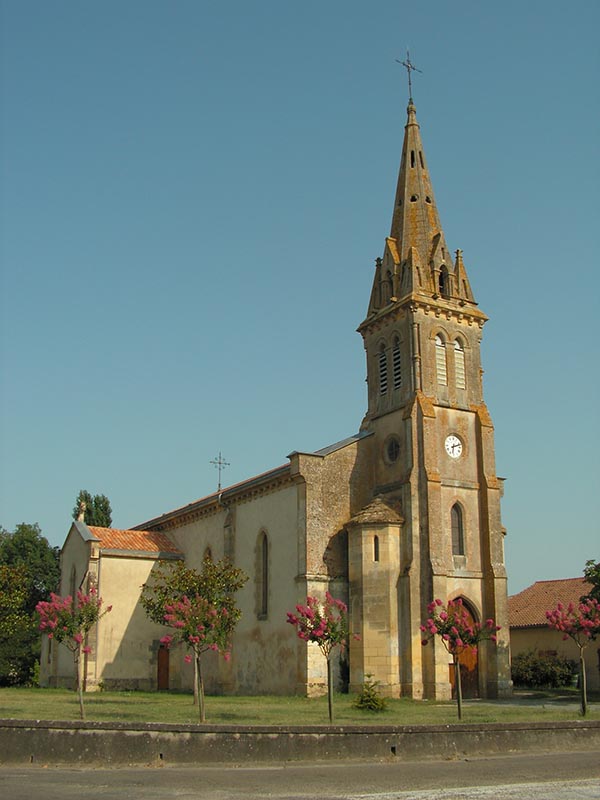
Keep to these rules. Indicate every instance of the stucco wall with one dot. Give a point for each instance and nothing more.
(523, 640)
(127, 640)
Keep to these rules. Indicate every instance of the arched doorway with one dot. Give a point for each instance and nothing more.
(469, 666)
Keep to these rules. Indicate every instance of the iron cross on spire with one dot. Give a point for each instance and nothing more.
(220, 464)
(410, 67)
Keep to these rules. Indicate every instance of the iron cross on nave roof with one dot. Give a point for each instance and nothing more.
(220, 464)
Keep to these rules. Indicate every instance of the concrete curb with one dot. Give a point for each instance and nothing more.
(125, 743)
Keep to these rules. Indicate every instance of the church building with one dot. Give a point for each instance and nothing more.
(404, 511)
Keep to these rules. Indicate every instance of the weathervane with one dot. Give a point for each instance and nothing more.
(410, 67)
(220, 464)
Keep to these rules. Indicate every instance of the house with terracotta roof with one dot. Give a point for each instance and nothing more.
(529, 627)
(402, 512)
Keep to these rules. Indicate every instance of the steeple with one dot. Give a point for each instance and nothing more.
(416, 258)
(415, 221)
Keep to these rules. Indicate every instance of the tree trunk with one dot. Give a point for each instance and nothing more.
(458, 684)
(329, 690)
(195, 682)
(582, 683)
(79, 680)
(200, 688)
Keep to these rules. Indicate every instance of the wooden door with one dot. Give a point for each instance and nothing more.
(469, 669)
(162, 679)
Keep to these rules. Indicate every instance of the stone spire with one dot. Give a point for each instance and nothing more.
(416, 258)
(415, 222)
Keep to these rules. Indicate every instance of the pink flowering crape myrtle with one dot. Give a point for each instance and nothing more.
(201, 626)
(68, 621)
(458, 633)
(326, 625)
(581, 623)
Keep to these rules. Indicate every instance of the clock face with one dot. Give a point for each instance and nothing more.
(453, 446)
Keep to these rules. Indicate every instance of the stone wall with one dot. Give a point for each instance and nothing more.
(113, 744)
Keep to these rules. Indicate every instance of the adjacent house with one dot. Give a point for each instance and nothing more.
(529, 627)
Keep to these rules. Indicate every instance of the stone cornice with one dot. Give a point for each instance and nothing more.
(215, 503)
(459, 310)
(141, 554)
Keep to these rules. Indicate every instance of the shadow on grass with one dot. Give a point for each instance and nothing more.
(563, 695)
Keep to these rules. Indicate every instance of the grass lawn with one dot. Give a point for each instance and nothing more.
(59, 704)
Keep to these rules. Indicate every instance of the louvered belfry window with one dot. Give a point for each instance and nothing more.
(397, 364)
(459, 365)
(440, 361)
(383, 373)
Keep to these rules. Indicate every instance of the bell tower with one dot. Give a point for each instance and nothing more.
(431, 448)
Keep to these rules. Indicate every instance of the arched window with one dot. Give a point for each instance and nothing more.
(459, 365)
(397, 364)
(262, 575)
(376, 548)
(458, 535)
(440, 361)
(73, 582)
(390, 284)
(383, 373)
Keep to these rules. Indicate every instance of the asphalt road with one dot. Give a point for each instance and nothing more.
(559, 776)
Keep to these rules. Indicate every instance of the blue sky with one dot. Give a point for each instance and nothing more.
(193, 196)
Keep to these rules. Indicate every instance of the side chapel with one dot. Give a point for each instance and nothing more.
(404, 511)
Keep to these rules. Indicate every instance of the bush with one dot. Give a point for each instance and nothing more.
(541, 670)
(370, 698)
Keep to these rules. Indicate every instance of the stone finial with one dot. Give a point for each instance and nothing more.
(82, 510)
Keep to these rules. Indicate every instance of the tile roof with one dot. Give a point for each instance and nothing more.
(139, 541)
(378, 511)
(529, 607)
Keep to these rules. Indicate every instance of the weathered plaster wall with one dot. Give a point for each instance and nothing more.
(98, 743)
(264, 652)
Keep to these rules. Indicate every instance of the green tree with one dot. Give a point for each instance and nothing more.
(184, 599)
(29, 572)
(591, 574)
(96, 509)
(19, 640)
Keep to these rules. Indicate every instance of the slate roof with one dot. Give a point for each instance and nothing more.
(528, 608)
(135, 541)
